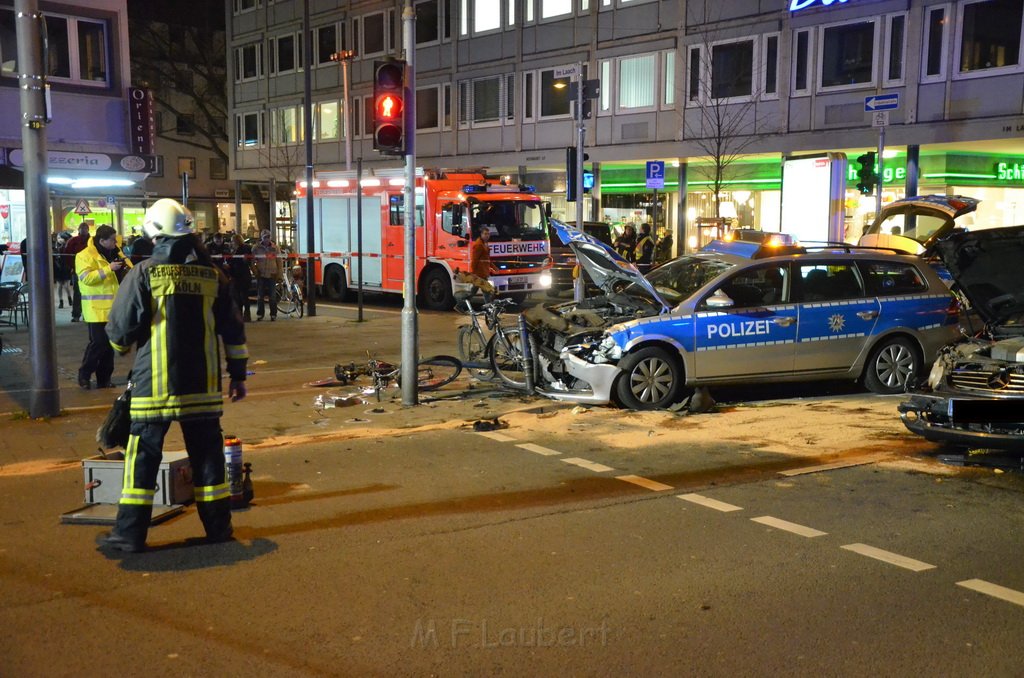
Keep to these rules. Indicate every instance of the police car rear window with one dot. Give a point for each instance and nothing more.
(886, 278)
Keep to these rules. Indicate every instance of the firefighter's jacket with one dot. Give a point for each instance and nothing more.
(173, 307)
(97, 281)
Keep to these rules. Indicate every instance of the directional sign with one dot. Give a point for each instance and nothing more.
(82, 207)
(655, 174)
(881, 102)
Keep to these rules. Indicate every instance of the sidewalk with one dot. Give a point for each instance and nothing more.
(284, 357)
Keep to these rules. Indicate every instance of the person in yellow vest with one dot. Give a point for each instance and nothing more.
(99, 268)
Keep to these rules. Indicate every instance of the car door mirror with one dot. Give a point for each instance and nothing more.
(720, 300)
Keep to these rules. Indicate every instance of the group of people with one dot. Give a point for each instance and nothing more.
(643, 249)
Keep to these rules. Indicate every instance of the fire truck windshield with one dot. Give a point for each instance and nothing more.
(509, 220)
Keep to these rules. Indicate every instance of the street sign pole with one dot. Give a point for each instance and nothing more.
(881, 171)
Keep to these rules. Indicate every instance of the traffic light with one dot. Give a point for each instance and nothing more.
(866, 173)
(572, 172)
(389, 106)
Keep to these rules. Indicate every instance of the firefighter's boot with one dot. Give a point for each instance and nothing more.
(129, 533)
(216, 517)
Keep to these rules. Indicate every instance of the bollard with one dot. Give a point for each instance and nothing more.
(524, 346)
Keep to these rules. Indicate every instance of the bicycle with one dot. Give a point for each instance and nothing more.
(289, 297)
(471, 340)
(431, 373)
(505, 354)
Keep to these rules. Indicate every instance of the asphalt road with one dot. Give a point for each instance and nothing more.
(403, 542)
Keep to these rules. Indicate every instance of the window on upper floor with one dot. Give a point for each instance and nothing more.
(79, 49)
(553, 94)
(218, 168)
(428, 22)
(187, 165)
(485, 16)
(284, 57)
(550, 9)
(329, 122)
(329, 39)
(936, 39)
(372, 35)
(848, 54)
(990, 36)
(484, 101)
(741, 69)
(286, 126)
(637, 82)
(427, 108)
(186, 124)
(249, 130)
(895, 49)
(802, 48)
(245, 5)
(249, 62)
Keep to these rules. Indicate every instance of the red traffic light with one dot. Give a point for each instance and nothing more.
(389, 107)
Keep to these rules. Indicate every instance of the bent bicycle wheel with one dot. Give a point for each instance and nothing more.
(434, 372)
(506, 356)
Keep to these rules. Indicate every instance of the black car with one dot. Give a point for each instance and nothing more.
(564, 261)
(974, 395)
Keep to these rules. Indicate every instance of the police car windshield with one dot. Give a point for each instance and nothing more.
(510, 220)
(680, 278)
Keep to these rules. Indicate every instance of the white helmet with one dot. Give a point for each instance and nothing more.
(167, 217)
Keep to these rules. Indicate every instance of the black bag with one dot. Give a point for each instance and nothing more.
(113, 432)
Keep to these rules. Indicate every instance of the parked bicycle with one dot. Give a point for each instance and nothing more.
(289, 297)
(472, 340)
(431, 373)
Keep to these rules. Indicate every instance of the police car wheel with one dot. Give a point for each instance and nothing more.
(892, 365)
(651, 379)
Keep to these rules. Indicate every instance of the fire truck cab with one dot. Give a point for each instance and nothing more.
(451, 209)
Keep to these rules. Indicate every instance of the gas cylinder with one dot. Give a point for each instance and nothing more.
(233, 471)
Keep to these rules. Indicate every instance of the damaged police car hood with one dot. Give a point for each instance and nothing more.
(986, 265)
(606, 267)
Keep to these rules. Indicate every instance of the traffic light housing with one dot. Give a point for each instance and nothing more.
(866, 173)
(389, 106)
(572, 171)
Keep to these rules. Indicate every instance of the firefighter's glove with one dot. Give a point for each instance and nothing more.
(236, 389)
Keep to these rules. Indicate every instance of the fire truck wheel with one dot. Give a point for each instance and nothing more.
(437, 290)
(334, 283)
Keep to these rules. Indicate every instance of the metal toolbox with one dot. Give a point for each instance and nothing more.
(104, 476)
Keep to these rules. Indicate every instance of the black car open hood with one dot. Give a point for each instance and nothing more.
(987, 266)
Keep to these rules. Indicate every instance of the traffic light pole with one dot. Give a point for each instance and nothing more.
(881, 171)
(410, 350)
(578, 284)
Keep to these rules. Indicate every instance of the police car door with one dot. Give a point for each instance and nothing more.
(746, 327)
(836, 318)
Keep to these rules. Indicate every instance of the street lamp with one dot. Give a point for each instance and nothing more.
(344, 57)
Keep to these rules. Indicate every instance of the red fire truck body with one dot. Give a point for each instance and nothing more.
(451, 207)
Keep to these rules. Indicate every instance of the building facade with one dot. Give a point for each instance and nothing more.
(721, 91)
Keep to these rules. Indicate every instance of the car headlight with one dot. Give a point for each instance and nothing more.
(545, 279)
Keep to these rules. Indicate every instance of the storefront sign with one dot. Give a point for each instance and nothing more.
(98, 162)
(142, 120)
(889, 174)
(797, 5)
(1010, 171)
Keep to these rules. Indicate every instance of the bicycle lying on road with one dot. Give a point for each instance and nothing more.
(431, 373)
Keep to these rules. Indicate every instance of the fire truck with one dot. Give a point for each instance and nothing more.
(451, 208)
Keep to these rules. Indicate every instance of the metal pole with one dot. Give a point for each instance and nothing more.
(347, 115)
(44, 400)
(307, 124)
(881, 171)
(359, 237)
(578, 284)
(410, 349)
(184, 189)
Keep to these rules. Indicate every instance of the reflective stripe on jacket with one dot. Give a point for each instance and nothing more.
(174, 309)
(97, 282)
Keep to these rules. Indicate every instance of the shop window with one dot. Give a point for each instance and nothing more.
(218, 168)
(935, 39)
(78, 49)
(427, 108)
(895, 48)
(990, 35)
(428, 15)
(847, 54)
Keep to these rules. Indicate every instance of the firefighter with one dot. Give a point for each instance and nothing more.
(173, 305)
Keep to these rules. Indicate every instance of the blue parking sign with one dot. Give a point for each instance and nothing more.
(655, 174)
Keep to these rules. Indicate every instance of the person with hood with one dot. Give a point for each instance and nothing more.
(173, 306)
(99, 268)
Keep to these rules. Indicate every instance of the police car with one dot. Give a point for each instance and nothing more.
(741, 312)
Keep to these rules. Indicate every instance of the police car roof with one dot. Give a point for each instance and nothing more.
(751, 250)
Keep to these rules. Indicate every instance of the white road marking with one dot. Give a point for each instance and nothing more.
(539, 449)
(994, 590)
(830, 467)
(589, 465)
(647, 483)
(889, 557)
(779, 524)
(500, 437)
(709, 502)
